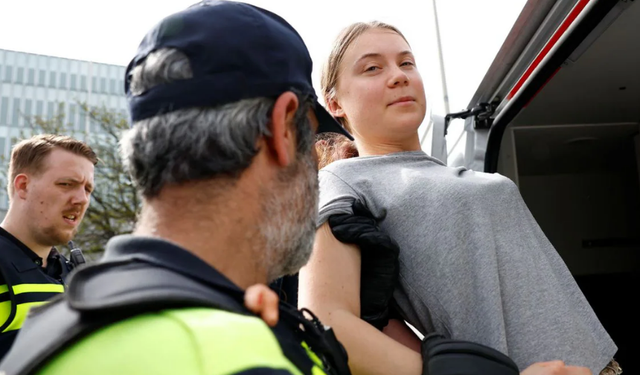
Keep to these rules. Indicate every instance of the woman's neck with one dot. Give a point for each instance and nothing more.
(372, 147)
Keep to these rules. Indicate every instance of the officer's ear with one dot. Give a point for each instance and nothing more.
(20, 185)
(282, 143)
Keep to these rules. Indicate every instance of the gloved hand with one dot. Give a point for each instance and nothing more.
(380, 265)
(442, 356)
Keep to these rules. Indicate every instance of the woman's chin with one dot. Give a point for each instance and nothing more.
(408, 123)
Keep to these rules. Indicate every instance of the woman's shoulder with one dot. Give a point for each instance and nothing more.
(485, 176)
(345, 166)
(490, 182)
(380, 160)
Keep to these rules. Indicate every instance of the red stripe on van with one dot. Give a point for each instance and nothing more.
(552, 42)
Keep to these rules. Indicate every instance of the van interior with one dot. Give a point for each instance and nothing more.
(574, 152)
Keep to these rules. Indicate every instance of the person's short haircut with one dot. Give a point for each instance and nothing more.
(28, 155)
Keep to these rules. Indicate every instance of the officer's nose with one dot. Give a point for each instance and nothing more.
(80, 197)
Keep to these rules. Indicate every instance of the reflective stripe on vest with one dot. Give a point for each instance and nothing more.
(26, 296)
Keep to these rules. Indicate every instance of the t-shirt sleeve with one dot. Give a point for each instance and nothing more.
(336, 196)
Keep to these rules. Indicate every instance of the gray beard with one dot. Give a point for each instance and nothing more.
(290, 212)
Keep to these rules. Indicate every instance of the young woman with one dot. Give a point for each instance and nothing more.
(474, 264)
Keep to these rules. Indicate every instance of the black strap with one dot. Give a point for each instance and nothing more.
(12, 299)
(123, 287)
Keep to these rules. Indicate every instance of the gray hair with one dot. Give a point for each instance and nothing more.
(196, 143)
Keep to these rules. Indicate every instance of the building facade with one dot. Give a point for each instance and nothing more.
(40, 85)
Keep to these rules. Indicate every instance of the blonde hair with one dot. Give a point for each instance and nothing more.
(335, 147)
(28, 155)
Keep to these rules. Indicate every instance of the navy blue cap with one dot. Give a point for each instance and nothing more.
(236, 51)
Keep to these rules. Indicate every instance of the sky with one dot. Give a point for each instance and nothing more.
(472, 32)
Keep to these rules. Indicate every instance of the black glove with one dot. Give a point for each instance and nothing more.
(441, 356)
(380, 266)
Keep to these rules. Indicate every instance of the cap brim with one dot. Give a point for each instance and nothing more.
(328, 124)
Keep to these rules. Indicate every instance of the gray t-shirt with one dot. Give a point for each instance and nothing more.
(474, 264)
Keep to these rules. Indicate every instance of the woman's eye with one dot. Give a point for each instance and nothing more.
(371, 69)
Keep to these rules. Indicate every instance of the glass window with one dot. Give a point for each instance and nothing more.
(41, 77)
(4, 110)
(103, 85)
(39, 108)
(8, 74)
(73, 82)
(27, 108)
(31, 79)
(20, 75)
(50, 110)
(95, 127)
(60, 109)
(94, 84)
(113, 88)
(83, 120)
(16, 112)
(63, 80)
(72, 116)
(2, 146)
(52, 79)
(83, 83)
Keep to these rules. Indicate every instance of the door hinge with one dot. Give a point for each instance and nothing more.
(482, 112)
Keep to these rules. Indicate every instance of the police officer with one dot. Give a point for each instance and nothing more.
(50, 181)
(224, 117)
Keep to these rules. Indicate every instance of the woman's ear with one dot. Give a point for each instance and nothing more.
(334, 107)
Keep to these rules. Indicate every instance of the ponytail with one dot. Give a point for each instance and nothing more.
(331, 147)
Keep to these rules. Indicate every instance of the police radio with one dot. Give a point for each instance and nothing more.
(76, 259)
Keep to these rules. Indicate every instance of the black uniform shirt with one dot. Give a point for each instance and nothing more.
(24, 283)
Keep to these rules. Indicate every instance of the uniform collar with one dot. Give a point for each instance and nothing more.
(26, 250)
(167, 255)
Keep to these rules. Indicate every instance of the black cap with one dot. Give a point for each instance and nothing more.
(236, 51)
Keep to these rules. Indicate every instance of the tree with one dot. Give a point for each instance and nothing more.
(115, 201)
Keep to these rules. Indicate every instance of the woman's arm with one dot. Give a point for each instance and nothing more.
(330, 287)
